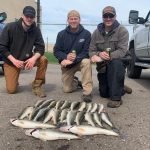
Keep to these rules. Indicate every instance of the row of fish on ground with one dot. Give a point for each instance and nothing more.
(52, 120)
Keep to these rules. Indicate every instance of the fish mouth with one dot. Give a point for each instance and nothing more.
(30, 131)
(12, 120)
(66, 128)
(33, 131)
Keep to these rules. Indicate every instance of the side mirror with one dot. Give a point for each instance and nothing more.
(133, 16)
(3, 17)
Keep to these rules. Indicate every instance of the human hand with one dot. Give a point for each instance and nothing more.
(30, 63)
(66, 62)
(71, 56)
(18, 63)
(104, 55)
(95, 59)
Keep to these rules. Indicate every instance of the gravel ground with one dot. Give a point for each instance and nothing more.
(132, 118)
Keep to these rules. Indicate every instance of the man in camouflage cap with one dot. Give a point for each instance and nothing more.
(112, 36)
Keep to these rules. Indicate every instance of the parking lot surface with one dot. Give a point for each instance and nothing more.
(132, 118)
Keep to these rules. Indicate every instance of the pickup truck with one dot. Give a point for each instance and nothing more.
(3, 17)
(139, 44)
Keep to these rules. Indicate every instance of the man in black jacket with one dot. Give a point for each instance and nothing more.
(22, 47)
(71, 49)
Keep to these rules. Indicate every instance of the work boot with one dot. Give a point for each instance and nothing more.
(87, 98)
(127, 89)
(79, 82)
(37, 88)
(114, 104)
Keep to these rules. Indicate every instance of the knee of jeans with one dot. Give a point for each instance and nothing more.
(11, 90)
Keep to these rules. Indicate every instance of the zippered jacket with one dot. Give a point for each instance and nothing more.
(116, 39)
(19, 43)
(68, 41)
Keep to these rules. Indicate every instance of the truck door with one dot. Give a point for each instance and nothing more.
(148, 24)
(141, 41)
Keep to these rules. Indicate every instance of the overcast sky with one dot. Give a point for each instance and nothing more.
(55, 11)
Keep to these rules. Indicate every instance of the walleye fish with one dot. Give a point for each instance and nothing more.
(53, 115)
(105, 117)
(34, 113)
(100, 108)
(49, 134)
(38, 103)
(74, 105)
(94, 107)
(45, 104)
(26, 112)
(41, 113)
(97, 119)
(88, 117)
(88, 107)
(65, 105)
(63, 115)
(82, 106)
(48, 116)
(59, 104)
(79, 117)
(52, 104)
(30, 124)
(71, 117)
(87, 130)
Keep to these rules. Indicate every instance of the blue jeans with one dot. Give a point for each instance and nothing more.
(111, 82)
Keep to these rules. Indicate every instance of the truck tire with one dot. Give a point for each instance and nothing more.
(2, 70)
(132, 70)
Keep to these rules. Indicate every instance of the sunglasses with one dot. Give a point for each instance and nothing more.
(108, 15)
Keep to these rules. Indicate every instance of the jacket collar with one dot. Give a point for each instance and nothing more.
(19, 23)
(81, 28)
(101, 28)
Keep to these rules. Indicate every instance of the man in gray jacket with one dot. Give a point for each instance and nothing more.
(108, 46)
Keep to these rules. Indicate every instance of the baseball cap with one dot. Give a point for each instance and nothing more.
(29, 11)
(109, 9)
(73, 13)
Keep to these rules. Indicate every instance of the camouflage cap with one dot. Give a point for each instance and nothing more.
(109, 9)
